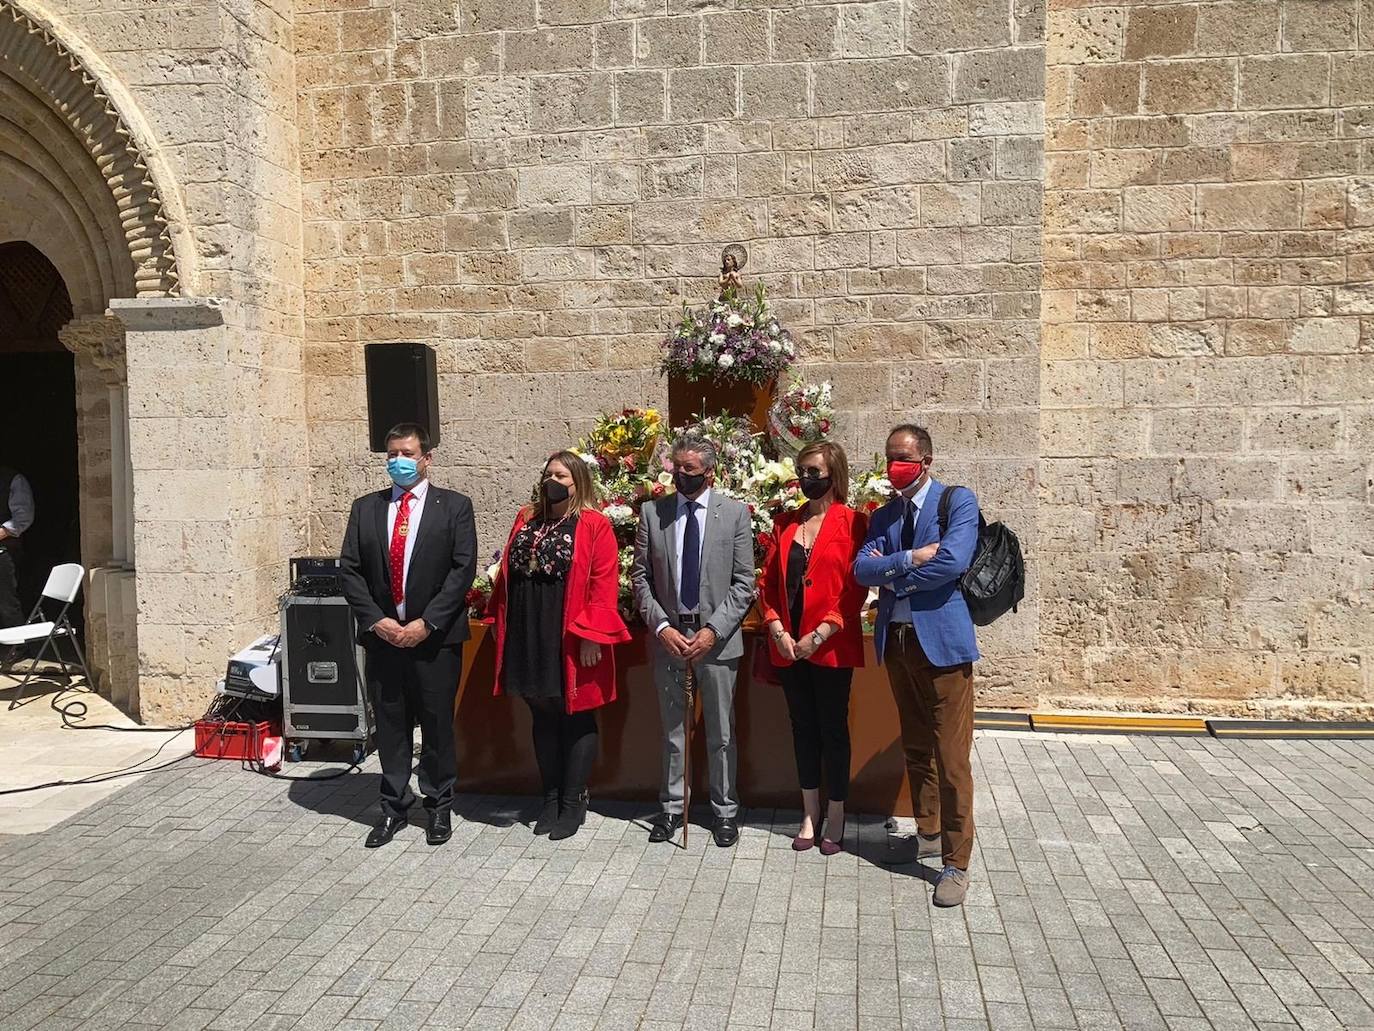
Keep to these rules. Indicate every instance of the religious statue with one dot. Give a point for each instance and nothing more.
(732, 259)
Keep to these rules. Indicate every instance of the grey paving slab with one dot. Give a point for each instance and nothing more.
(1146, 883)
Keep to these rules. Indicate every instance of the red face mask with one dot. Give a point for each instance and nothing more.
(903, 474)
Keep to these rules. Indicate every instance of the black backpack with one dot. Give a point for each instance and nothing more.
(996, 578)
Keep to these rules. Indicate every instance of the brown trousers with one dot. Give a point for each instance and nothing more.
(935, 707)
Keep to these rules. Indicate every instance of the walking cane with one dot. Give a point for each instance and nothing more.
(689, 688)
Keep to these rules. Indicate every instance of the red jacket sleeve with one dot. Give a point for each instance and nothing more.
(851, 599)
(498, 587)
(600, 619)
(770, 578)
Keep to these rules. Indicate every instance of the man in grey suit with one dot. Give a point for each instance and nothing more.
(694, 582)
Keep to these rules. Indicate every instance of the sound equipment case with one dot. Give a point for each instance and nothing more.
(322, 686)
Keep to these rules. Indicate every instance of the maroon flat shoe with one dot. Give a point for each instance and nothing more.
(800, 844)
(830, 848)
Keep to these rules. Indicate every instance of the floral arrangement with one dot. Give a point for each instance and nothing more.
(801, 416)
(870, 490)
(623, 444)
(479, 595)
(737, 337)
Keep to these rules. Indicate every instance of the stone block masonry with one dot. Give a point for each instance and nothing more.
(535, 190)
(1116, 256)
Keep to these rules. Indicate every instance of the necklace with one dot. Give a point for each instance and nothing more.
(801, 534)
(539, 537)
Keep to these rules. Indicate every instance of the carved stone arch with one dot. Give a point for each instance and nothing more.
(48, 67)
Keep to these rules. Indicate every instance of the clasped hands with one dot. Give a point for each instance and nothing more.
(688, 649)
(401, 636)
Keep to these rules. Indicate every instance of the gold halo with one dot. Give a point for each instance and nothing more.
(737, 251)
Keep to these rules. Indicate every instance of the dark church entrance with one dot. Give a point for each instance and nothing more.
(38, 410)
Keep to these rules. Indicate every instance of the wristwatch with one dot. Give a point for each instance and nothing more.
(816, 638)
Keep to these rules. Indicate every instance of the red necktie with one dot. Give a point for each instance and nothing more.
(399, 532)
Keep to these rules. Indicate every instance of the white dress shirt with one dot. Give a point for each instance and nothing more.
(417, 507)
(901, 608)
(703, 503)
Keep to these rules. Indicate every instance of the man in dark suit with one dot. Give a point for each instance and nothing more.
(16, 516)
(409, 558)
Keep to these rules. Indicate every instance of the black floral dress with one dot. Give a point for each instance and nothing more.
(532, 663)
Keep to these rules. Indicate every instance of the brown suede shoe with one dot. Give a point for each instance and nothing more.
(951, 888)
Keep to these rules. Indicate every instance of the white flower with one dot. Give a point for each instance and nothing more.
(717, 338)
(620, 514)
(789, 349)
(734, 320)
(665, 479)
(725, 361)
(774, 346)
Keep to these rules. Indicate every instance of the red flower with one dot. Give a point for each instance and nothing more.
(762, 540)
(658, 490)
(825, 425)
(872, 506)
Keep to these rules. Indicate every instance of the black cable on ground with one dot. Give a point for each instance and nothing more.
(77, 709)
(100, 778)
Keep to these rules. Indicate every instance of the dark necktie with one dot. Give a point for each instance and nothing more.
(690, 594)
(909, 526)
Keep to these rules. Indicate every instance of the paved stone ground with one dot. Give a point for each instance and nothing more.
(1119, 882)
(35, 748)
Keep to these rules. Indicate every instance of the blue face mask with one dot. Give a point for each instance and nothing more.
(404, 472)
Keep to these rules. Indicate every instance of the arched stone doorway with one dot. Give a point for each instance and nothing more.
(38, 425)
(81, 202)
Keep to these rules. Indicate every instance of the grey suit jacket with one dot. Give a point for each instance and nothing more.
(727, 569)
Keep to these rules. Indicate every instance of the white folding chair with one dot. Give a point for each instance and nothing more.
(64, 584)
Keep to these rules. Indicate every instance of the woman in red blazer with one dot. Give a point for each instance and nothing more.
(812, 607)
(556, 620)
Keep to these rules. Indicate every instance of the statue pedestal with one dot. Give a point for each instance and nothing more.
(689, 401)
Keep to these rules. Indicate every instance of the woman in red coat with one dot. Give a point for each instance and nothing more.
(556, 619)
(812, 607)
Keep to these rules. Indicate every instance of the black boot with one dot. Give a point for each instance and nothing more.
(548, 816)
(571, 818)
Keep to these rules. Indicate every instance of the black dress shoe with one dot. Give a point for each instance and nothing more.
(440, 827)
(725, 830)
(664, 826)
(385, 830)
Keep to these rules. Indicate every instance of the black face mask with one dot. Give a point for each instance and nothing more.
(816, 487)
(689, 484)
(555, 492)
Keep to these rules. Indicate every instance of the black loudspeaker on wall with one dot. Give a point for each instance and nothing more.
(402, 386)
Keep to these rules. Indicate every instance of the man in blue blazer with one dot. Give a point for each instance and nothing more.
(924, 636)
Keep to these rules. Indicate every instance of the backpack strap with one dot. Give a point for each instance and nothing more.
(942, 514)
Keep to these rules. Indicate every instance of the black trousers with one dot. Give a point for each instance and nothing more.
(10, 612)
(818, 703)
(407, 687)
(565, 746)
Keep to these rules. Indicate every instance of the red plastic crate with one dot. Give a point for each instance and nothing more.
(218, 739)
